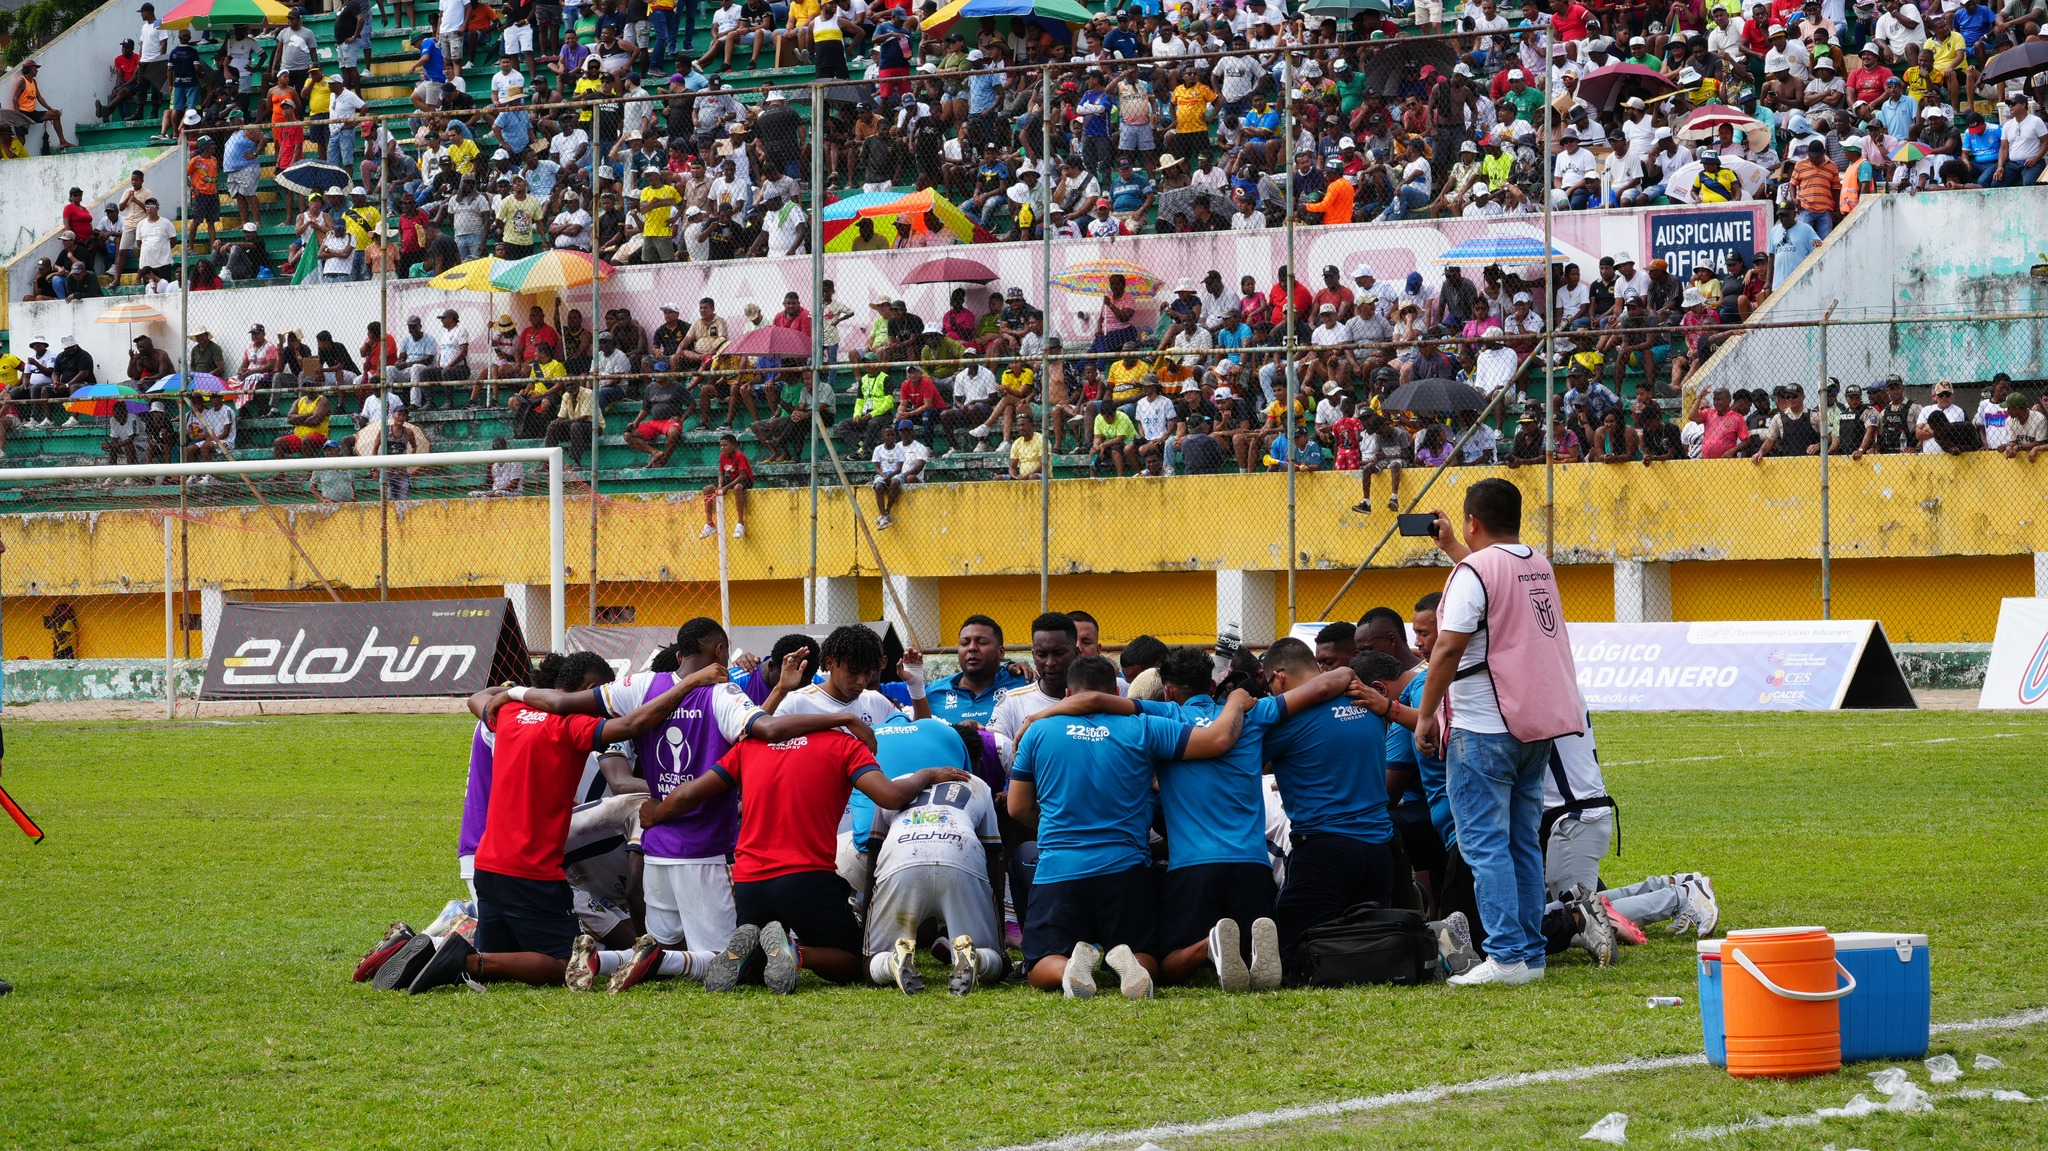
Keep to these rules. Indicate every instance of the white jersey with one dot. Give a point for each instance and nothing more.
(592, 787)
(871, 706)
(1574, 771)
(1015, 706)
(1279, 831)
(947, 825)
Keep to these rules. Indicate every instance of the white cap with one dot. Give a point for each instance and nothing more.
(773, 96)
(1361, 271)
(358, 190)
(976, 56)
(1517, 74)
(1330, 308)
(1480, 189)
(1223, 391)
(1187, 284)
(67, 342)
(1521, 297)
(1693, 298)
(1461, 69)
(501, 154)
(1663, 133)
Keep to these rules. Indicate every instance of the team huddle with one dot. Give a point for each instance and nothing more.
(1182, 814)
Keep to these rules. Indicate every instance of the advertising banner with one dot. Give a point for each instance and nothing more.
(2017, 677)
(1767, 665)
(1703, 237)
(364, 650)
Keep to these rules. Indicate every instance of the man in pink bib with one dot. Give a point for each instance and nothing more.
(1502, 674)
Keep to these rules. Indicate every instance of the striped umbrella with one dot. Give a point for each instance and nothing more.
(1060, 13)
(130, 312)
(1705, 123)
(196, 382)
(1497, 250)
(1091, 278)
(102, 400)
(1910, 154)
(226, 14)
(554, 270)
(473, 276)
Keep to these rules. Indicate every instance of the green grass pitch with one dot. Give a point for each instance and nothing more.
(182, 943)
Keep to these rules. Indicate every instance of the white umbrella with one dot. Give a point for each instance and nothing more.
(1749, 177)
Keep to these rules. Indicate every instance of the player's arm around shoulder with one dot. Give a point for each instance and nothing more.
(1219, 735)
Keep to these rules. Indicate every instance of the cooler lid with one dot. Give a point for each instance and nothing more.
(1708, 947)
(1878, 940)
(1771, 932)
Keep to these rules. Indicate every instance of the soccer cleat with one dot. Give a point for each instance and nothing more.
(965, 974)
(1494, 971)
(1623, 926)
(779, 960)
(1454, 943)
(903, 967)
(402, 968)
(729, 965)
(1265, 973)
(1701, 912)
(1231, 973)
(1078, 981)
(1596, 934)
(1136, 981)
(446, 968)
(395, 937)
(445, 922)
(581, 974)
(643, 961)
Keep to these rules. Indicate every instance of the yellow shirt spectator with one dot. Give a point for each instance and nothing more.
(1028, 453)
(462, 156)
(1017, 381)
(1947, 52)
(657, 211)
(360, 222)
(1191, 104)
(1123, 380)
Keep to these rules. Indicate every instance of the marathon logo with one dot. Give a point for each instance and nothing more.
(333, 650)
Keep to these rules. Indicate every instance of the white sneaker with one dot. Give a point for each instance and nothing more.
(1137, 982)
(1492, 971)
(980, 444)
(1078, 982)
(706, 532)
(1003, 447)
(1700, 913)
(980, 433)
(1265, 972)
(1231, 973)
(72, 422)
(739, 531)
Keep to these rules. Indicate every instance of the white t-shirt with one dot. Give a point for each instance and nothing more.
(504, 84)
(1154, 416)
(343, 105)
(1015, 706)
(454, 17)
(973, 385)
(1570, 300)
(449, 343)
(947, 825)
(1894, 34)
(1575, 167)
(1463, 609)
(578, 239)
(1954, 414)
(152, 43)
(2024, 140)
(1992, 417)
(812, 699)
(154, 239)
(889, 459)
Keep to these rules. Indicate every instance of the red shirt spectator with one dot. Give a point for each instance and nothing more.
(1866, 84)
(794, 793)
(533, 337)
(919, 392)
(78, 219)
(734, 466)
(800, 322)
(537, 763)
(1570, 22)
(1276, 298)
(1724, 432)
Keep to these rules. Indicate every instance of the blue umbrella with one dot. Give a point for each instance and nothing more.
(309, 176)
(197, 382)
(1498, 250)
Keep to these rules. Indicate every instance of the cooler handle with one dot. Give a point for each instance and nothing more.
(1788, 993)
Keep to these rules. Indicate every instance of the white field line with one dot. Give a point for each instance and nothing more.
(1254, 1120)
(1761, 753)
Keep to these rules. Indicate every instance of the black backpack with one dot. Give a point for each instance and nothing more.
(1369, 944)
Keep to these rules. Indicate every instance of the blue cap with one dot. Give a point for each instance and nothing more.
(905, 425)
(1414, 280)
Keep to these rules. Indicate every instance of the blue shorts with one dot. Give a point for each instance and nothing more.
(184, 97)
(1105, 910)
(514, 914)
(1134, 137)
(1196, 897)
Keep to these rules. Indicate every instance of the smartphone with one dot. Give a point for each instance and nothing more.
(1416, 523)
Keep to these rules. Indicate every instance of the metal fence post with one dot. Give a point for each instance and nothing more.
(595, 326)
(1549, 341)
(821, 377)
(1827, 605)
(1045, 180)
(1292, 278)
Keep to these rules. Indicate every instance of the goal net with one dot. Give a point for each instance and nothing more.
(335, 582)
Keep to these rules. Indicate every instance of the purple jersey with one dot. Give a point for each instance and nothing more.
(693, 738)
(476, 797)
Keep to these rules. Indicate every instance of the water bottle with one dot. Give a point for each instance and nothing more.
(1664, 1001)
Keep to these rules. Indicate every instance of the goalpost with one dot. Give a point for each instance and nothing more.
(78, 536)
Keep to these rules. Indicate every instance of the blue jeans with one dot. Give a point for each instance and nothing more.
(1821, 222)
(470, 245)
(2020, 175)
(1410, 198)
(1496, 784)
(341, 147)
(664, 21)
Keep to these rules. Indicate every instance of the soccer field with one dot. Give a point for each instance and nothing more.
(182, 945)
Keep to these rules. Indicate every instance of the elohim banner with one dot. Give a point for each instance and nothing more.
(1762, 665)
(364, 650)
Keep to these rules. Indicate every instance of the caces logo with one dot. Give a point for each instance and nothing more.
(2034, 680)
(1546, 610)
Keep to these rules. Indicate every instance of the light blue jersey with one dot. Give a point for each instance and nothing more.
(1331, 764)
(1216, 808)
(1093, 775)
(904, 746)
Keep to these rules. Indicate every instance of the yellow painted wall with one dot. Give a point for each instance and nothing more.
(1909, 533)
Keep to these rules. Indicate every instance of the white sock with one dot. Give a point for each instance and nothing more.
(679, 964)
(878, 969)
(988, 962)
(610, 961)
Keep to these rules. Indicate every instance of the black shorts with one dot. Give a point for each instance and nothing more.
(514, 914)
(1105, 910)
(1196, 897)
(205, 208)
(1418, 835)
(812, 904)
(1327, 875)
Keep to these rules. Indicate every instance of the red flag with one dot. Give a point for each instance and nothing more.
(27, 825)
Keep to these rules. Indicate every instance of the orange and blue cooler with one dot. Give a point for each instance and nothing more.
(1882, 998)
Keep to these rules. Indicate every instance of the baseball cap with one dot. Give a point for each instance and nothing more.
(1327, 308)
(1517, 74)
(1361, 271)
(1855, 389)
(1521, 298)
(905, 425)
(1480, 189)
(1188, 285)
(1944, 388)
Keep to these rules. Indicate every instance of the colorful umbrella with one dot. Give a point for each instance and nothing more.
(196, 382)
(1341, 8)
(950, 270)
(1061, 12)
(226, 14)
(102, 400)
(473, 276)
(1604, 88)
(555, 270)
(130, 312)
(1910, 154)
(1678, 183)
(310, 176)
(770, 341)
(1497, 250)
(1705, 123)
(1091, 278)
(884, 207)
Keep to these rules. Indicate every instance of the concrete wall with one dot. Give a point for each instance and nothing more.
(32, 207)
(346, 309)
(161, 175)
(78, 64)
(1954, 260)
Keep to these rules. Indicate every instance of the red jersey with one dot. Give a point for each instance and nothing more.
(538, 762)
(791, 797)
(78, 220)
(917, 391)
(734, 466)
